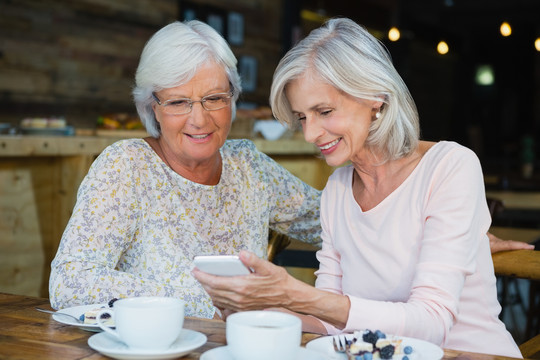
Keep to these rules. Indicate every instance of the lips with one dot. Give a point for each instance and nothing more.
(329, 145)
(198, 137)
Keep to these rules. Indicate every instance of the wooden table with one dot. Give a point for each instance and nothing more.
(29, 334)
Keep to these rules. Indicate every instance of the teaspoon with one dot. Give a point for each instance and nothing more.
(59, 313)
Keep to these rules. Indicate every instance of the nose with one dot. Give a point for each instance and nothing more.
(198, 115)
(312, 130)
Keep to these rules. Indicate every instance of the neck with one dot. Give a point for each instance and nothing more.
(205, 173)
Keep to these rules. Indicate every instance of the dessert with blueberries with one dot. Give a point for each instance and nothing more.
(89, 317)
(368, 345)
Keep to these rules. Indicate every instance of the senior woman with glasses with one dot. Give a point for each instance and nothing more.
(148, 206)
(404, 222)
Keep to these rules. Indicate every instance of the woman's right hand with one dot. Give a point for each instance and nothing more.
(265, 287)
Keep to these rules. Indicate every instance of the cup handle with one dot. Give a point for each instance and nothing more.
(105, 327)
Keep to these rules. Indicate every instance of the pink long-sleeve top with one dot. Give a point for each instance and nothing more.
(418, 264)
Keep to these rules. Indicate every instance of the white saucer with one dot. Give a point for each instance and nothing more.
(222, 353)
(77, 311)
(188, 341)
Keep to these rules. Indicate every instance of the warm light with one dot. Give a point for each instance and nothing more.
(394, 34)
(484, 75)
(537, 44)
(442, 47)
(506, 29)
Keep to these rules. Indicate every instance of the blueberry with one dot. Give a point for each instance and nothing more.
(387, 352)
(407, 349)
(81, 317)
(405, 357)
(380, 334)
(366, 356)
(370, 337)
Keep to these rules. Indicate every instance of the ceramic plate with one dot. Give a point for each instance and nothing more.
(77, 311)
(188, 341)
(422, 350)
(222, 353)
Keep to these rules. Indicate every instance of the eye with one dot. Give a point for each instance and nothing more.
(178, 102)
(215, 98)
(326, 112)
(299, 117)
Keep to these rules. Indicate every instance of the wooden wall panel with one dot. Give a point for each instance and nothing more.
(78, 58)
(21, 256)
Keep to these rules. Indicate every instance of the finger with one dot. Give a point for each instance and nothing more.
(215, 282)
(257, 265)
(517, 245)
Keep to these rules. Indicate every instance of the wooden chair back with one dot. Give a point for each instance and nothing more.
(523, 264)
(276, 243)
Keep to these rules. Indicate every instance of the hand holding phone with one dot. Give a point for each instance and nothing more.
(222, 265)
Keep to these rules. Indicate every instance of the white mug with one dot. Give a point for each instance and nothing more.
(145, 323)
(263, 335)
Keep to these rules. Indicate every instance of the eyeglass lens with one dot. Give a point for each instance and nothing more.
(209, 103)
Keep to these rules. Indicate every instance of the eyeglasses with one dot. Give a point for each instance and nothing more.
(184, 106)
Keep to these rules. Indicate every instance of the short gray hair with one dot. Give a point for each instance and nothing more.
(172, 56)
(350, 59)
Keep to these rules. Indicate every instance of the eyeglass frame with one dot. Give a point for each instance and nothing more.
(229, 94)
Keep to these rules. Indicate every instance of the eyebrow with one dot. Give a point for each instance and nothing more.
(215, 90)
(311, 108)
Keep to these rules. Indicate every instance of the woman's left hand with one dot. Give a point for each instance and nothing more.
(496, 244)
(265, 287)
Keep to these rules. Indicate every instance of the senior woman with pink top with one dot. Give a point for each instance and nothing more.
(403, 225)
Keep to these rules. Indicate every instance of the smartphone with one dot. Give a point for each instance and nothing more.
(223, 265)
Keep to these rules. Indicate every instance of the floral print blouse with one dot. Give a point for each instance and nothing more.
(137, 224)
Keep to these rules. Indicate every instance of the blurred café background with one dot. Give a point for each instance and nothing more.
(67, 70)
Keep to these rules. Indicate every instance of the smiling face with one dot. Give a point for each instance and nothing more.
(194, 139)
(334, 121)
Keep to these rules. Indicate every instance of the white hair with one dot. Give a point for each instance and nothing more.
(344, 54)
(172, 56)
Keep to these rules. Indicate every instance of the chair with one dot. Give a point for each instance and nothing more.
(520, 264)
(277, 242)
(523, 264)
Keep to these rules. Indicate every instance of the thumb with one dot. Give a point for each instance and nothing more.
(256, 264)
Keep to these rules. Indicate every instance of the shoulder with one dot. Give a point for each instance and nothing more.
(123, 153)
(241, 151)
(126, 146)
(451, 163)
(239, 146)
(447, 151)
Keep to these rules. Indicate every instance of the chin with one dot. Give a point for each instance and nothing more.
(334, 162)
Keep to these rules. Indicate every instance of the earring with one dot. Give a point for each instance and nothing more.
(378, 114)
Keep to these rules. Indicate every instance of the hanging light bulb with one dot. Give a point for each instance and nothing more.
(537, 44)
(442, 47)
(394, 34)
(506, 29)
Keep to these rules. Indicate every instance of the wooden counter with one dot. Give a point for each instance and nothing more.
(21, 145)
(39, 179)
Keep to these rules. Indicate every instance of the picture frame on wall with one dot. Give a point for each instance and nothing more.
(188, 11)
(235, 26)
(247, 66)
(216, 21)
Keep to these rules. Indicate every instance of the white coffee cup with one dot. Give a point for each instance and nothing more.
(263, 335)
(145, 323)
